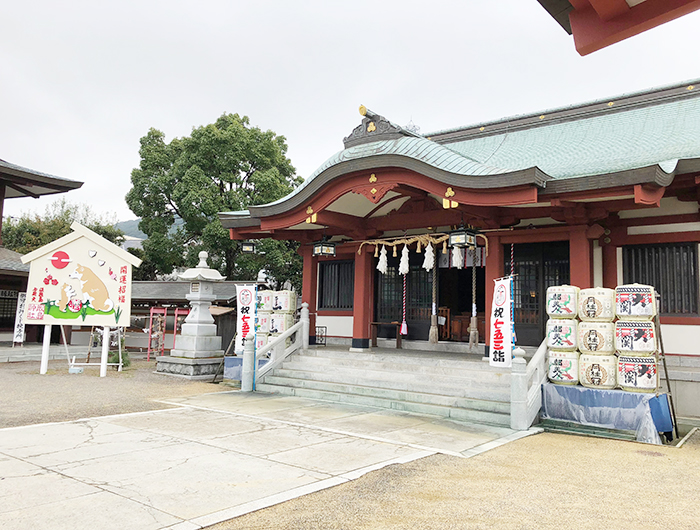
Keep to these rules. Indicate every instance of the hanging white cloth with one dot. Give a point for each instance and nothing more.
(382, 266)
(429, 258)
(457, 257)
(403, 264)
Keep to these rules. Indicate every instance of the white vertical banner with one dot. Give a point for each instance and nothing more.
(246, 297)
(19, 319)
(501, 329)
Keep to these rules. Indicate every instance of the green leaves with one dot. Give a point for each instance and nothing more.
(224, 166)
(32, 231)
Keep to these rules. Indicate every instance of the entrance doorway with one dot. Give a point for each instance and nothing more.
(419, 297)
(537, 267)
(455, 301)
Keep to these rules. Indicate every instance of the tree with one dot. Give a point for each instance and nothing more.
(180, 187)
(31, 231)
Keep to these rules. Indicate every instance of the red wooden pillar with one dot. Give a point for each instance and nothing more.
(2, 203)
(580, 256)
(494, 270)
(309, 288)
(614, 238)
(363, 299)
(609, 266)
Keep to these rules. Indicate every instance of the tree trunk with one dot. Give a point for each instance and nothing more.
(230, 254)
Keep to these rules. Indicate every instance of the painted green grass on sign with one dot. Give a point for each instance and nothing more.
(55, 312)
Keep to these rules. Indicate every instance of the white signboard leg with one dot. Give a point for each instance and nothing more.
(45, 350)
(105, 352)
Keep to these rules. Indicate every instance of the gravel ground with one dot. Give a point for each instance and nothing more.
(544, 481)
(27, 398)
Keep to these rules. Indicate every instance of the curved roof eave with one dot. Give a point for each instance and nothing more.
(414, 154)
(653, 174)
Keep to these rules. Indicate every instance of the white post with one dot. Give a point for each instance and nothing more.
(248, 368)
(518, 392)
(278, 350)
(305, 327)
(105, 351)
(45, 349)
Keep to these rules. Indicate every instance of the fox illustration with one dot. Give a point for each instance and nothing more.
(94, 290)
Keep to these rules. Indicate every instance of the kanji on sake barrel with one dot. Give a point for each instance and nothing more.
(596, 305)
(562, 301)
(598, 371)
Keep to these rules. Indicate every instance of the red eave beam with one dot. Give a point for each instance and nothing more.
(593, 28)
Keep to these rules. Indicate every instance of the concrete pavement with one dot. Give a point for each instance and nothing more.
(214, 457)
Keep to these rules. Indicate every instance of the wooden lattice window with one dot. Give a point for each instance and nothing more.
(336, 285)
(672, 269)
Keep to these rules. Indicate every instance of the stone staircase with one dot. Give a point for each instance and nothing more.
(453, 385)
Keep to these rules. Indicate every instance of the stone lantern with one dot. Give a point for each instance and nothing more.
(197, 353)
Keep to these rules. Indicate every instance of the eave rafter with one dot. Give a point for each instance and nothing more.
(477, 203)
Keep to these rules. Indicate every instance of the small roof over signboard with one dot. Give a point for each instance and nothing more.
(23, 182)
(78, 232)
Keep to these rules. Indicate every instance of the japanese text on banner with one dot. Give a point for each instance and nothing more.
(246, 297)
(501, 329)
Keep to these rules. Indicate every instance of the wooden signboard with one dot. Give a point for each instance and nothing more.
(79, 279)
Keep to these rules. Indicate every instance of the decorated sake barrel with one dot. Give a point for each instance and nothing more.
(637, 374)
(635, 337)
(635, 302)
(265, 301)
(562, 300)
(597, 371)
(262, 322)
(284, 302)
(563, 367)
(281, 322)
(596, 305)
(561, 334)
(260, 340)
(596, 338)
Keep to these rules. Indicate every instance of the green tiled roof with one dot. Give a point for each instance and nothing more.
(417, 148)
(638, 137)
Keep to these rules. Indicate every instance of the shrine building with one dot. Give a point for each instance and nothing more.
(594, 194)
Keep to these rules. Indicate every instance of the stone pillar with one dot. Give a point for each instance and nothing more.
(197, 352)
(518, 392)
(304, 318)
(248, 367)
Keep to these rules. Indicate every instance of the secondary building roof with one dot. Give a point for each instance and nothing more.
(23, 182)
(596, 24)
(176, 292)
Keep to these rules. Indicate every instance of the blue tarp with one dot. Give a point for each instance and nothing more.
(610, 409)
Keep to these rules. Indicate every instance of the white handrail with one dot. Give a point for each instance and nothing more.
(279, 352)
(526, 387)
(300, 330)
(262, 352)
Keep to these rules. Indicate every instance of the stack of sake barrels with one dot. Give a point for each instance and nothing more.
(562, 326)
(284, 305)
(596, 333)
(635, 338)
(263, 317)
(583, 337)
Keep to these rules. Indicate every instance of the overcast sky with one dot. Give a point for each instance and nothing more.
(81, 82)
